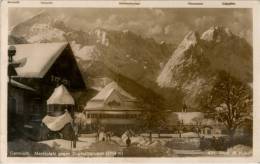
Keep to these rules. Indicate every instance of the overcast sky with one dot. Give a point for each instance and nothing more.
(162, 24)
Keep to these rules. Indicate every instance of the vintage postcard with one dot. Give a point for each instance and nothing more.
(121, 80)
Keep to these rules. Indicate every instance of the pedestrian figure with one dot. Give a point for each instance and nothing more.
(76, 130)
(217, 144)
(202, 143)
(222, 144)
(98, 133)
(108, 136)
(128, 141)
(75, 135)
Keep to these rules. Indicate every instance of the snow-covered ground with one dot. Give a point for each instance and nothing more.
(87, 145)
(81, 144)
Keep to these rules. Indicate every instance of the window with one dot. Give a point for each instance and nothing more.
(208, 131)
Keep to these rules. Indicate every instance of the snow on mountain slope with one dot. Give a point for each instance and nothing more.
(45, 32)
(194, 64)
(188, 73)
(38, 29)
(86, 53)
(177, 59)
(216, 33)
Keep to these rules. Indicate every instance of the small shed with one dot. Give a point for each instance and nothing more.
(60, 100)
(59, 118)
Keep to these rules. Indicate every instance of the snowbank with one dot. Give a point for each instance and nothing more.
(66, 145)
(190, 134)
(22, 145)
(118, 140)
(143, 147)
(240, 150)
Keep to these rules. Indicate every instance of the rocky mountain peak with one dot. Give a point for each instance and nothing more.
(216, 34)
(42, 15)
(194, 64)
(190, 39)
(178, 58)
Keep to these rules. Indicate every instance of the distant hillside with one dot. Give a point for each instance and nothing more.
(101, 53)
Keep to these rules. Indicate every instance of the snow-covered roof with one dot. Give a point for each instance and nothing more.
(57, 123)
(188, 118)
(108, 89)
(20, 85)
(38, 58)
(98, 101)
(61, 96)
(191, 118)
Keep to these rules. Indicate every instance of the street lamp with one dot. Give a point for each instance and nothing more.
(11, 65)
(11, 53)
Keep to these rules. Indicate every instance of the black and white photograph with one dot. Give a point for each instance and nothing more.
(130, 82)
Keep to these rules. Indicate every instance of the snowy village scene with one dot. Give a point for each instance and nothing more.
(130, 82)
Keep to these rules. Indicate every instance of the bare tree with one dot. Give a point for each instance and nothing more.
(230, 102)
(180, 128)
(153, 120)
(198, 124)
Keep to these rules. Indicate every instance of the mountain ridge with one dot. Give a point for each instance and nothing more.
(183, 73)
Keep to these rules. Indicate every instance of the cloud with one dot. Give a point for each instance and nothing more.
(246, 34)
(241, 25)
(158, 12)
(242, 32)
(238, 15)
(113, 20)
(204, 22)
(155, 30)
(176, 31)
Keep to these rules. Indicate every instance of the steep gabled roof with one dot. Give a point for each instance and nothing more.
(61, 96)
(108, 89)
(37, 58)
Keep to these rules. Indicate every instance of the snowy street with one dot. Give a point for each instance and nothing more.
(88, 146)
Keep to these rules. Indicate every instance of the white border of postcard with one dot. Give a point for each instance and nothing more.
(255, 5)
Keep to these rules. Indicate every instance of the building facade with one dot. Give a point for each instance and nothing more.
(184, 122)
(42, 67)
(112, 109)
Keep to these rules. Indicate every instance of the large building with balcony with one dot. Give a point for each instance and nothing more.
(113, 108)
